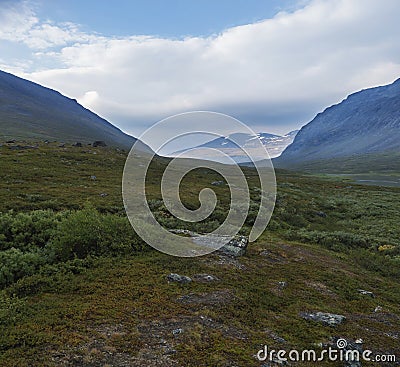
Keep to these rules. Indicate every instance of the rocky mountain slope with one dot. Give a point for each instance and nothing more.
(33, 112)
(366, 122)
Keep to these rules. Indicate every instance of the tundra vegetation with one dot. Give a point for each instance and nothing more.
(79, 287)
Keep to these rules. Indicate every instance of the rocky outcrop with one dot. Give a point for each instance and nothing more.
(173, 277)
(328, 319)
(235, 247)
(366, 293)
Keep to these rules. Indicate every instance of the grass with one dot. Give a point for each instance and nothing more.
(109, 305)
(370, 163)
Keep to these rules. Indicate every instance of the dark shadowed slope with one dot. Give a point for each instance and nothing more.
(365, 123)
(33, 112)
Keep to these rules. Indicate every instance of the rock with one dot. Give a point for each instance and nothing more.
(77, 144)
(178, 278)
(206, 319)
(378, 309)
(217, 183)
(232, 250)
(236, 246)
(93, 177)
(99, 143)
(10, 141)
(328, 319)
(103, 194)
(204, 278)
(177, 331)
(62, 145)
(366, 293)
(282, 285)
(321, 214)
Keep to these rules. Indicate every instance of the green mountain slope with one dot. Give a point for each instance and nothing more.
(32, 112)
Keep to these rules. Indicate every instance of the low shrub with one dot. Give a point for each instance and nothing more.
(30, 241)
(384, 265)
(16, 264)
(26, 231)
(11, 307)
(87, 232)
(337, 240)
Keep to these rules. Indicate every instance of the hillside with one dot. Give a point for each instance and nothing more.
(32, 112)
(365, 123)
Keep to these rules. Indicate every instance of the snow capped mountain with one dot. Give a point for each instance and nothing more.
(275, 145)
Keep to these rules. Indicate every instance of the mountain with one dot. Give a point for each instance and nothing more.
(32, 112)
(275, 144)
(365, 123)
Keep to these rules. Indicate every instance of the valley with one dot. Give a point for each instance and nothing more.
(88, 292)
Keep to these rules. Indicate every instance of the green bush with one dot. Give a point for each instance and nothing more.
(337, 240)
(384, 265)
(10, 308)
(50, 276)
(16, 264)
(26, 231)
(30, 241)
(87, 232)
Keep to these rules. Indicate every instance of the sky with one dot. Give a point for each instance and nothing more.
(271, 64)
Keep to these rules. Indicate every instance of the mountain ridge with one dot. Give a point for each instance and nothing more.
(31, 111)
(274, 144)
(365, 122)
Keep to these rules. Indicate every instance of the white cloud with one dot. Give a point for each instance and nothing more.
(48, 35)
(89, 99)
(20, 24)
(16, 21)
(282, 69)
